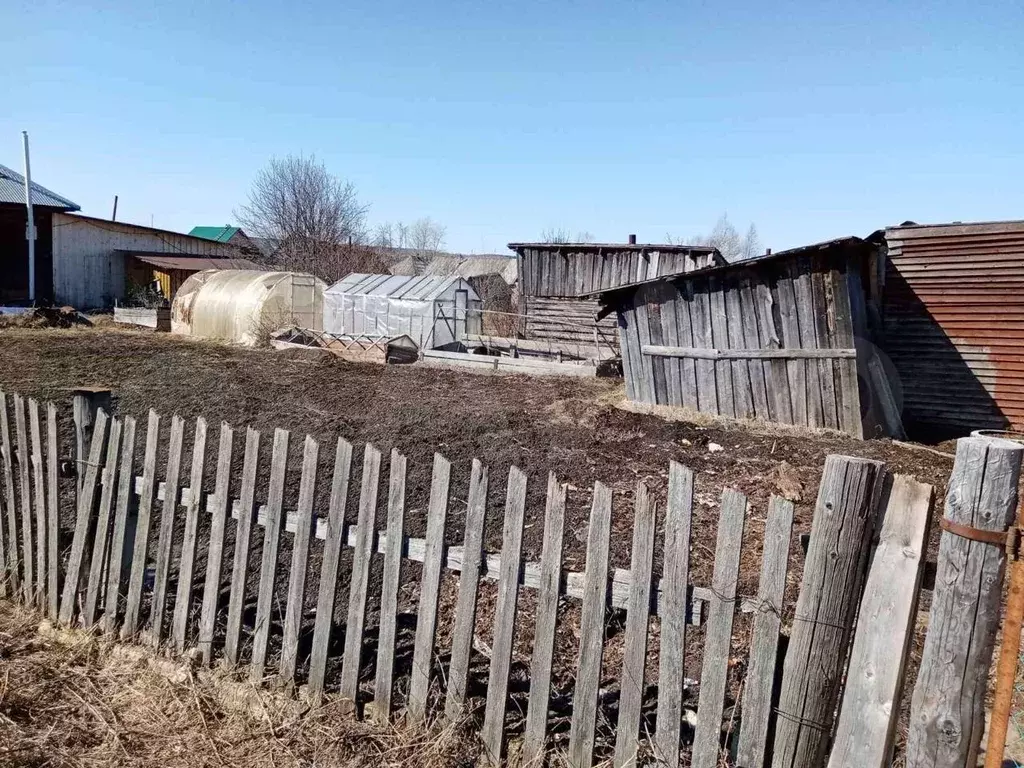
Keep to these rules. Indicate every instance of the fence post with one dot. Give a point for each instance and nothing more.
(947, 709)
(844, 521)
(85, 402)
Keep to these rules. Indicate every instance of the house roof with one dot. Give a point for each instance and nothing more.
(189, 263)
(12, 190)
(422, 288)
(463, 266)
(217, 234)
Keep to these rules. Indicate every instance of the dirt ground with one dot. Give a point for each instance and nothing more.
(572, 427)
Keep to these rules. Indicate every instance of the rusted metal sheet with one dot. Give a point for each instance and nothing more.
(954, 323)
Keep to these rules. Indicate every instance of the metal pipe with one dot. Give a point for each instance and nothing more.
(113, 216)
(30, 229)
(632, 239)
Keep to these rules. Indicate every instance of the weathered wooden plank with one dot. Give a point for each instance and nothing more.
(102, 531)
(141, 545)
(776, 372)
(700, 324)
(186, 565)
(243, 547)
(631, 685)
(430, 586)
(849, 406)
(764, 645)
(720, 340)
(300, 562)
(801, 276)
(669, 296)
(535, 732)
(271, 544)
(947, 711)
(643, 378)
(747, 354)
(165, 538)
(750, 340)
(116, 556)
(684, 302)
(52, 516)
(505, 615)
(469, 581)
(365, 533)
(795, 368)
(742, 389)
(86, 503)
(588, 674)
(390, 582)
(39, 492)
(824, 317)
(215, 553)
(718, 634)
(841, 531)
(885, 625)
(652, 333)
(13, 574)
(676, 575)
(25, 497)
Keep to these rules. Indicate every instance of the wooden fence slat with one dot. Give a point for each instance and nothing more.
(588, 675)
(390, 582)
(741, 383)
(751, 340)
(300, 559)
(430, 587)
(356, 618)
(841, 531)
(535, 733)
(243, 546)
(116, 556)
(102, 531)
(141, 545)
(718, 633)
(764, 645)
(469, 581)
(215, 554)
(86, 502)
(333, 542)
(271, 544)
(186, 565)
(12, 575)
(796, 371)
(824, 340)
(52, 516)
(849, 399)
(25, 497)
(801, 271)
(166, 537)
(700, 325)
(505, 614)
(39, 491)
(631, 684)
(675, 581)
(885, 627)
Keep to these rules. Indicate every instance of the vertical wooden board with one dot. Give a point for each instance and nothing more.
(700, 324)
(631, 684)
(365, 535)
(688, 367)
(669, 297)
(535, 732)
(790, 325)
(39, 492)
(391, 581)
(674, 606)
(243, 547)
(885, 626)
(52, 515)
(469, 581)
(215, 553)
(304, 529)
(102, 531)
(505, 614)
(801, 276)
(13, 560)
(25, 498)
(186, 567)
(849, 416)
(741, 384)
(116, 555)
(166, 536)
(595, 597)
(141, 545)
(824, 340)
(86, 503)
(430, 586)
(718, 633)
(643, 336)
(758, 684)
(720, 340)
(333, 542)
(776, 373)
(271, 544)
(642, 390)
(659, 364)
(760, 403)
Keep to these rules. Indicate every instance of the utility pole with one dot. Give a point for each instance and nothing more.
(30, 230)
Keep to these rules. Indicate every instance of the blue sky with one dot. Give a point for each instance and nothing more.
(810, 119)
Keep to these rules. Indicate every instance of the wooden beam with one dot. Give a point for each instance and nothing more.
(747, 354)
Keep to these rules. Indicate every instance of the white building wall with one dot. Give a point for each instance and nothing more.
(88, 273)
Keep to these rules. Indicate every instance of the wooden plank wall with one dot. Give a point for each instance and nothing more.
(773, 341)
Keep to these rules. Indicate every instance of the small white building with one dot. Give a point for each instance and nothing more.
(435, 312)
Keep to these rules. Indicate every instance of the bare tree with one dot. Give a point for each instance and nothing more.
(727, 239)
(563, 235)
(423, 239)
(314, 219)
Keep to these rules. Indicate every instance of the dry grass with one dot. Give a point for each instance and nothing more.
(68, 698)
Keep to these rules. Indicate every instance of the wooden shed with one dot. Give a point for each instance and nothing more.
(778, 338)
(558, 282)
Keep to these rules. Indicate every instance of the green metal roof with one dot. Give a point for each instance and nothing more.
(217, 234)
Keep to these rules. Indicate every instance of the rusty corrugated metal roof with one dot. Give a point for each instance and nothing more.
(191, 263)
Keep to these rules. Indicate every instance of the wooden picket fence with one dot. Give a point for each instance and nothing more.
(101, 577)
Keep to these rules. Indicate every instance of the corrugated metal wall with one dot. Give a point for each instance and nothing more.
(954, 324)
